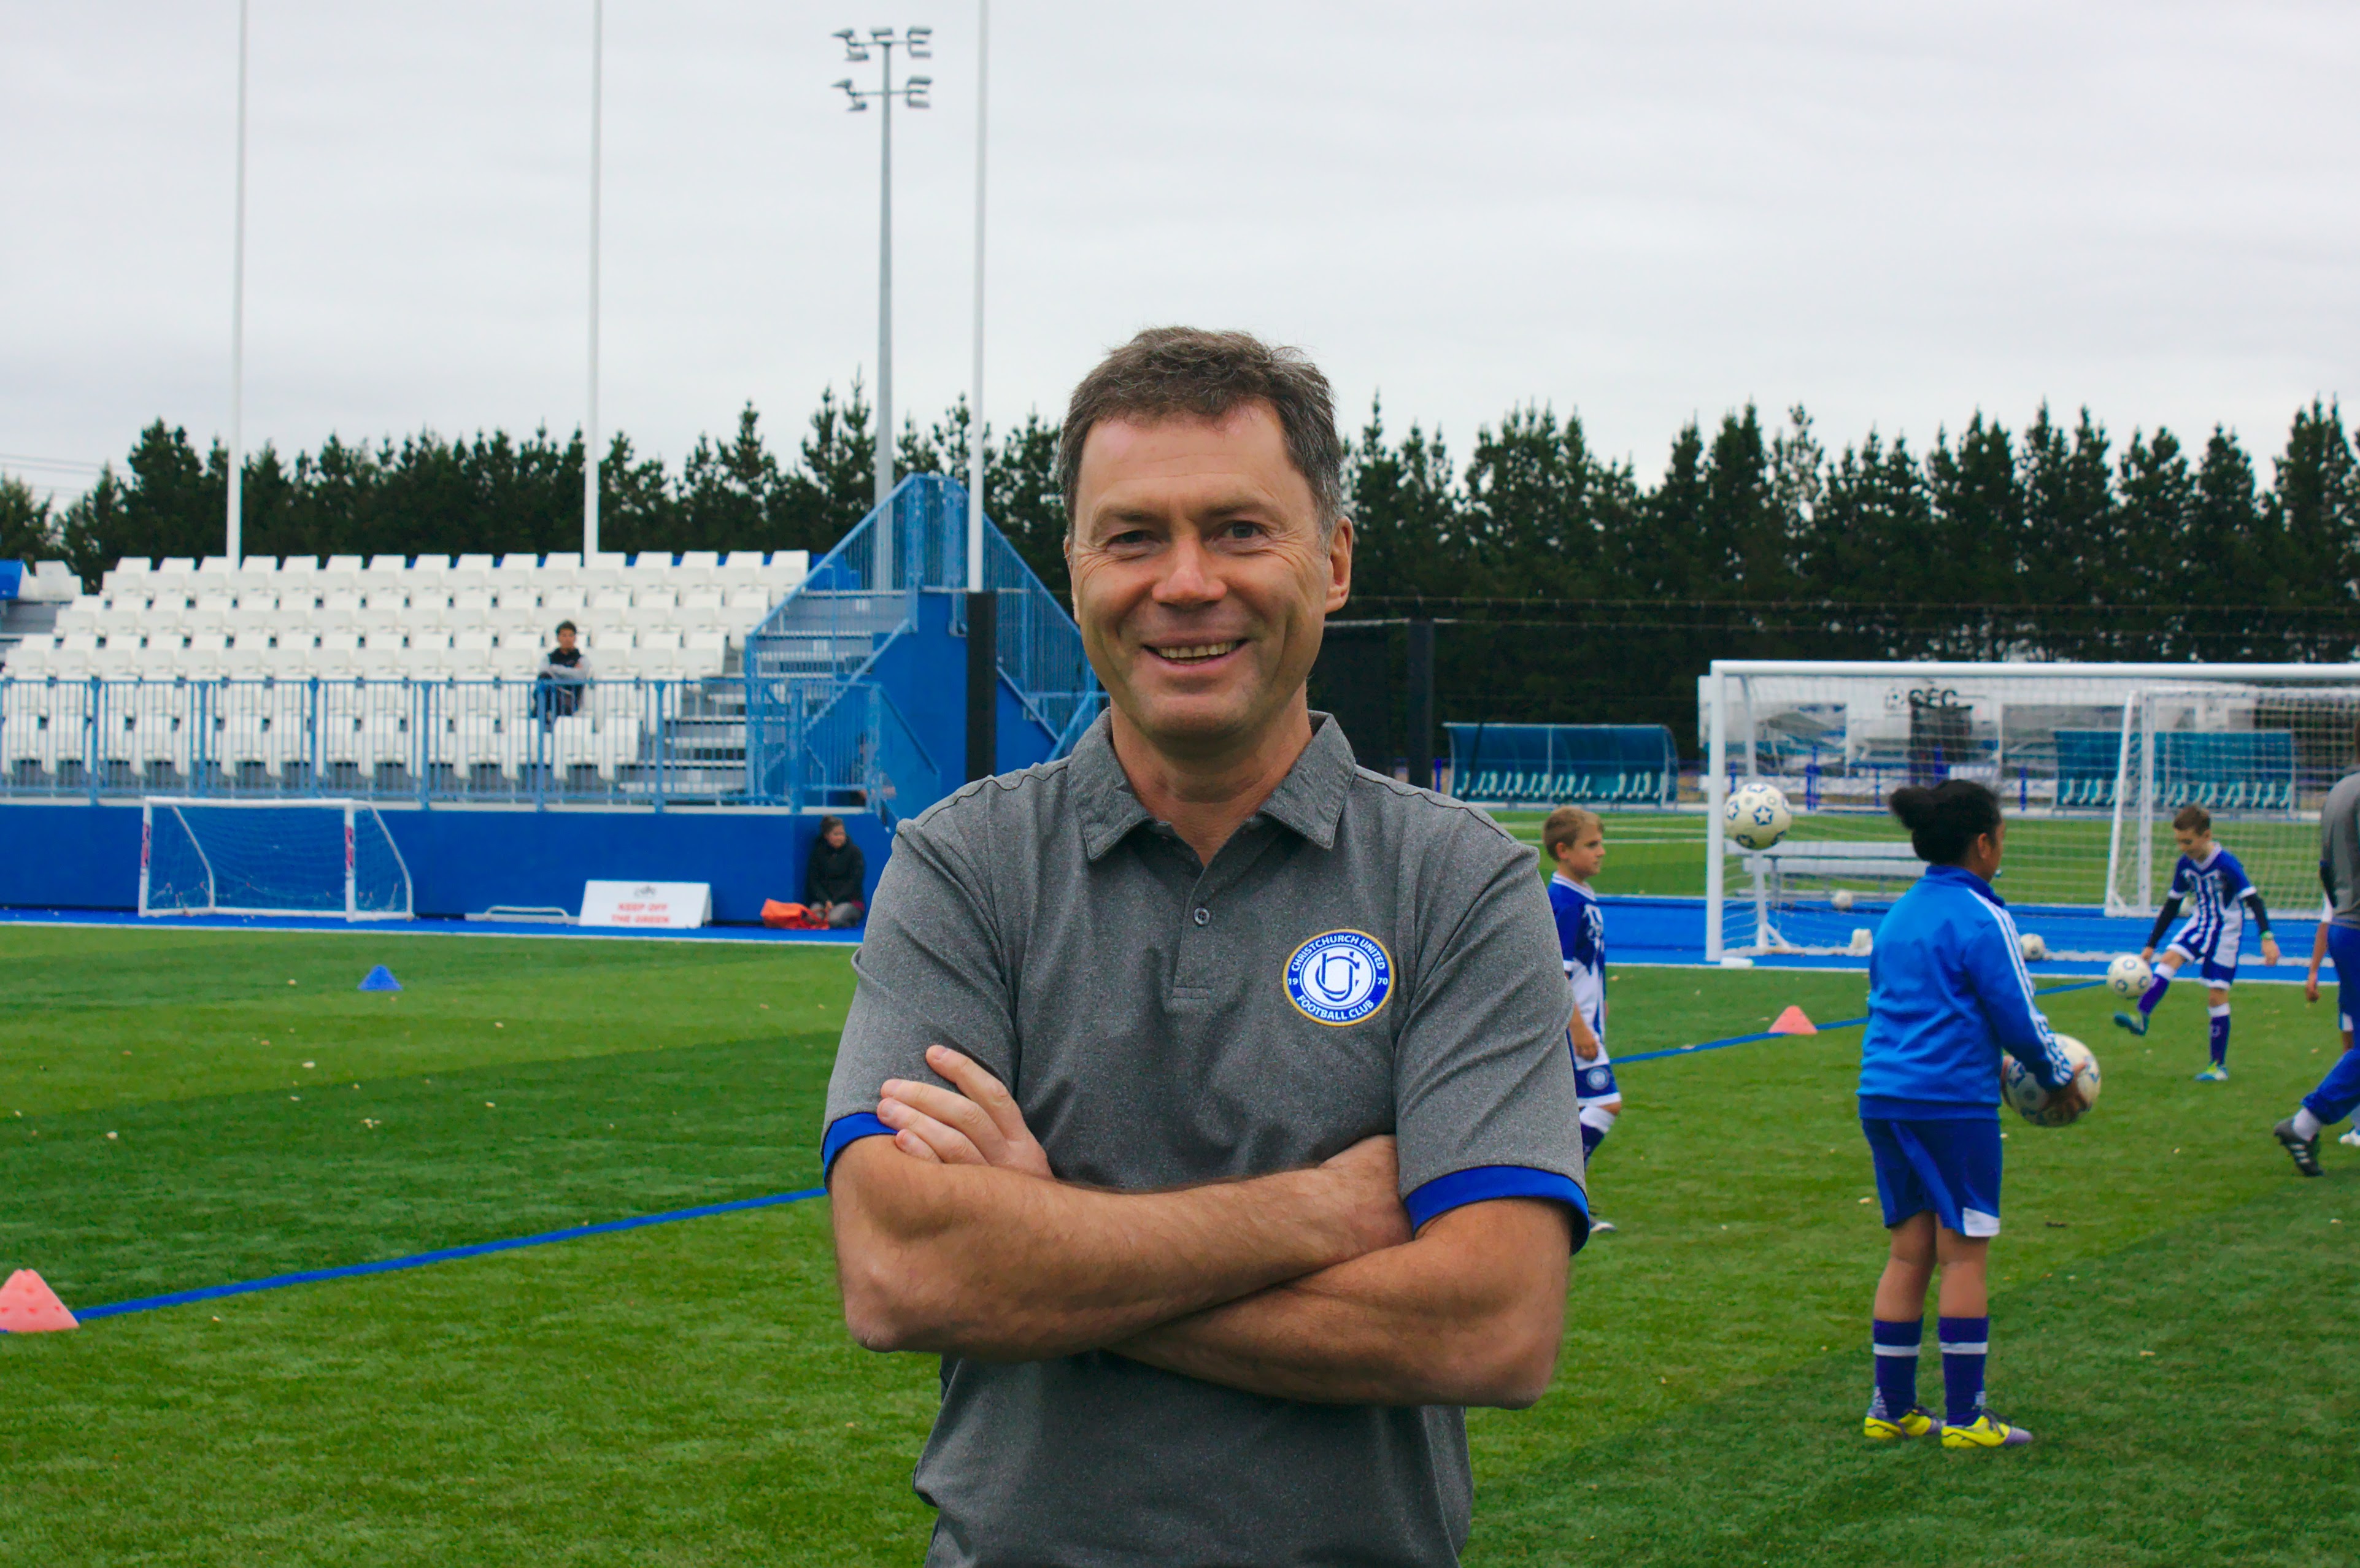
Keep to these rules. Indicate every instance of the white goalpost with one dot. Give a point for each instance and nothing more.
(321, 858)
(2092, 762)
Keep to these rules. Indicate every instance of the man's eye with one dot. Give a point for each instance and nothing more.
(1242, 531)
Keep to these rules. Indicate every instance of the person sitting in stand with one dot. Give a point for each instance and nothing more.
(835, 877)
(564, 670)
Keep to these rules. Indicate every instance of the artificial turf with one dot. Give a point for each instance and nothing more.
(686, 1394)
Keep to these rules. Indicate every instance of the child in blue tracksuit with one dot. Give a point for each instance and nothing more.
(1947, 993)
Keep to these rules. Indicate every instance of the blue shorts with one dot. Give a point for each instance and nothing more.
(2208, 958)
(1593, 1080)
(1949, 1167)
(2344, 952)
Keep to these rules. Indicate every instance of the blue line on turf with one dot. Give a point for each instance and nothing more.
(1757, 1039)
(445, 1255)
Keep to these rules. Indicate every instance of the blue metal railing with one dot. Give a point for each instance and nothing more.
(642, 742)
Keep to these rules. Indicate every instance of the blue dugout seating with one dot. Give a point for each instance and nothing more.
(1564, 764)
(2249, 770)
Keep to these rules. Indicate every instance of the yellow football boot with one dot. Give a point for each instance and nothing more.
(1985, 1431)
(1912, 1422)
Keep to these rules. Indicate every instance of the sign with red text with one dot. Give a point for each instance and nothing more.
(652, 905)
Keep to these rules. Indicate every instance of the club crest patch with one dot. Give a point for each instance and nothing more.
(1339, 977)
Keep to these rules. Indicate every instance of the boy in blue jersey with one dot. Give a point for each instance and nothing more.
(1948, 992)
(2223, 896)
(1575, 842)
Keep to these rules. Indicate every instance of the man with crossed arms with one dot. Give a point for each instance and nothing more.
(1204, 1100)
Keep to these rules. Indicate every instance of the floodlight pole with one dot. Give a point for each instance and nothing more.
(975, 462)
(590, 420)
(236, 542)
(885, 288)
(918, 41)
(598, 116)
(982, 606)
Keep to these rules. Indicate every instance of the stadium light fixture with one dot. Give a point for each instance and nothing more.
(912, 92)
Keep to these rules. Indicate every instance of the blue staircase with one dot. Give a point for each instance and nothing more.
(856, 685)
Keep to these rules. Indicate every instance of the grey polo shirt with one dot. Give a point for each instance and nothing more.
(1361, 957)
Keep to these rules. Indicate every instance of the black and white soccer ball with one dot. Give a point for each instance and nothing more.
(2032, 1102)
(1758, 815)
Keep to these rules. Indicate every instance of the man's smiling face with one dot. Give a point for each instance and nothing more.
(1201, 580)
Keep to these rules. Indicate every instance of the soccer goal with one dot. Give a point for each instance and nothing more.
(2092, 762)
(325, 857)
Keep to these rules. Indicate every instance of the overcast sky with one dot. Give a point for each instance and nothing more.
(1893, 215)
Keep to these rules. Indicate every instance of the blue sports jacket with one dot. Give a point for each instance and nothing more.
(1946, 993)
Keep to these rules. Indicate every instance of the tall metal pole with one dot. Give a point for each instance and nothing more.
(236, 543)
(974, 404)
(590, 423)
(917, 40)
(885, 331)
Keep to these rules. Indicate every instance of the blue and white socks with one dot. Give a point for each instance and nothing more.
(1597, 1121)
(1895, 1344)
(1965, 1342)
(2154, 994)
(2220, 1015)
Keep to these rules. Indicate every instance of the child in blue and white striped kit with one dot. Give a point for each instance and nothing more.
(1948, 992)
(2224, 899)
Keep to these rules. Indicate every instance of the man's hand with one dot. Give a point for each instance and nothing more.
(2271, 951)
(1585, 1039)
(2310, 984)
(977, 1125)
(2147, 953)
(2070, 1099)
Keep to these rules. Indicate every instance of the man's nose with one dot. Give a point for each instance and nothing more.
(1189, 575)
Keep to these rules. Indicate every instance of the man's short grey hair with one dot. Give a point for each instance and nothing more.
(1186, 371)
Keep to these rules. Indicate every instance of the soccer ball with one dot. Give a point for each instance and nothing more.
(2031, 1101)
(1840, 899)
(1758, 815)
(2128, 976)
(2034, 949)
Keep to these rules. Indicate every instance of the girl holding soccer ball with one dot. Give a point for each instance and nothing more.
(1947, 993)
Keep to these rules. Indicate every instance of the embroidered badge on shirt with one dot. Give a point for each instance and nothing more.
(1339, 977)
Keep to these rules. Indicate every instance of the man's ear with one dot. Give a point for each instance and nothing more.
(1340, 564)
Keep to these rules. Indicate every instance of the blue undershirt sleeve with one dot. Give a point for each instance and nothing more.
(1485, 1183)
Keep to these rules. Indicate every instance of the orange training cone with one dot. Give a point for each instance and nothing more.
(28, 1305)
(1792, 1022)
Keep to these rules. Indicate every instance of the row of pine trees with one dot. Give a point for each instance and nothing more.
(1565, 587)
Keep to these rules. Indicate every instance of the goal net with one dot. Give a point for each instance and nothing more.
(323, 858)
(2090, 762)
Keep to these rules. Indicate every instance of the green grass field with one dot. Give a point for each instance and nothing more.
(2173, 1312)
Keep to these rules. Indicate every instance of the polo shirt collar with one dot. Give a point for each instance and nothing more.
(1309, 799)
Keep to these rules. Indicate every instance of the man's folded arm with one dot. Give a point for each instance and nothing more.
(994, 1263)
(1470, 1312)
